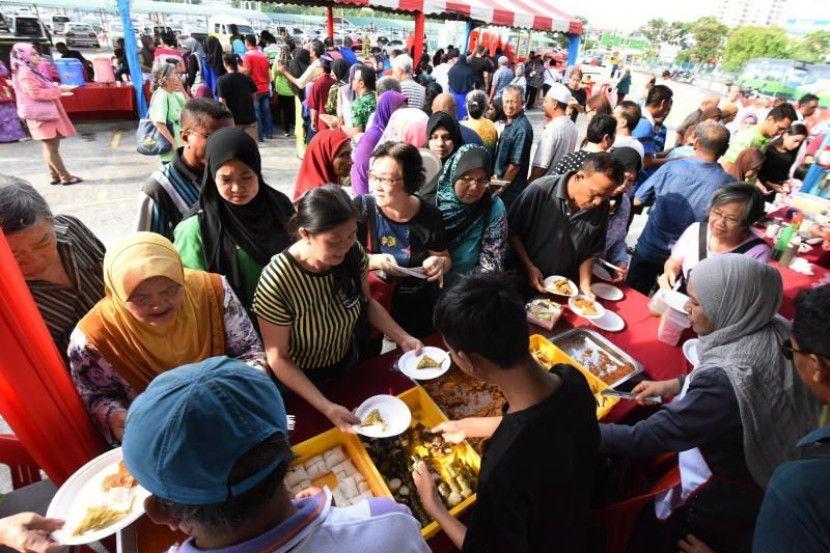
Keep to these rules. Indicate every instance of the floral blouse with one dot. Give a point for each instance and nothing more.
(362, 108)
(104, 391)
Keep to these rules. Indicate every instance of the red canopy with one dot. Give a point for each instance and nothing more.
(540, 15)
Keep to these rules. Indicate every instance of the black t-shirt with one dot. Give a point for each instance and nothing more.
(480, 66)
(581, 98)
(237, 89)
(776, 167)
(425, 232)
(537, 475)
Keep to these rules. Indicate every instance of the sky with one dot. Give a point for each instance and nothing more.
(630, 14)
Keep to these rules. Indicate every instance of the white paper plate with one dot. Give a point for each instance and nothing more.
(610, 322)
(804, 248)
(676, 300)
(690, 351)
(599, 315)
(549, 282)
(607, 291)
(83, 490)
(393, 411)
(601, 272)
(408, 363)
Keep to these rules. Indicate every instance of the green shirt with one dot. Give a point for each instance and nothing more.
(166, 107)
(188, 240)
(362, 108)
(747, 138)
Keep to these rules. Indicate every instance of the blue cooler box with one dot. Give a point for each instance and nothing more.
(71, 71)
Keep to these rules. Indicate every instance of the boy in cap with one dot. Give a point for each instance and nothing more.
(559, 136)
(210, 442)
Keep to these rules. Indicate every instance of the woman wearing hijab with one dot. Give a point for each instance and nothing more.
(474, 220)
(240, 222)
(213, 57)
(461, 81)
(747, 165)
(408, 125)
(340, 72)
(328, 160)
(38, 102)
(200, 77)
(443, 139)
(735, 418)
(616, 250)
(155, 316)
(388, 103)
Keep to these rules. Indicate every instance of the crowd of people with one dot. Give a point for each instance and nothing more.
(420, 207)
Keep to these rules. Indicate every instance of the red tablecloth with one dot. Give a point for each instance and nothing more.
(100, 101)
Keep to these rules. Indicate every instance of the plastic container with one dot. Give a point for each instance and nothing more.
(71, 71)
(790, 253)
(552, 355)
(672, 324)
(425, 411)
(103, 71)
(657, 304)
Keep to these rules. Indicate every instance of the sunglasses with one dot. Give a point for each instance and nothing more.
(788, 350)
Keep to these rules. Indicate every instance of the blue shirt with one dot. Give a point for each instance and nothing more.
(348, 55)
(514, 149)
(681, 192)
(653, 139)
(470, 136)
(795, 514)
(239, 48)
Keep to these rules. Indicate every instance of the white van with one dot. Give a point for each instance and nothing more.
(219, 26)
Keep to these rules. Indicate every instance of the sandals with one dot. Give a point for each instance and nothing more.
(72, 180)
(55, 181)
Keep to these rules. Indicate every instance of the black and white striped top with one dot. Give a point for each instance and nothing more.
(82, 255)
(322, 323)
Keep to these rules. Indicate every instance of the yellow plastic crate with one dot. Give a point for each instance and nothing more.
(425, 411)
(541, 345)
(353, 450)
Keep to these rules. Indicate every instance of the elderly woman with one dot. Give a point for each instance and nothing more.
(399, 229)
(38, 102)
(166, 105)
(735, 418)
(240, 222)
(443, 139)
(735, 208)
(155, 316)
(389, 102)
(58, 255)
(311, 296)
(477, 106)
(475, 221)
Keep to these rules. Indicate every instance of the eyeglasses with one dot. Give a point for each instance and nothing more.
(788, 350)
(731, 221)
(386, 181)
(471, 181)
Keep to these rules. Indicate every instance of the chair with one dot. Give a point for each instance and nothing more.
(23, 468)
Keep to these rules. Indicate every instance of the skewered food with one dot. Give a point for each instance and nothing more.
(427, 362)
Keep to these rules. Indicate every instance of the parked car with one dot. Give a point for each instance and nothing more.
(80, 34)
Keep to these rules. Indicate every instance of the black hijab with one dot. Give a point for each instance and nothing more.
(450, 123)
(213, 54)
(300, 60)
(260, 227)
(340, 68)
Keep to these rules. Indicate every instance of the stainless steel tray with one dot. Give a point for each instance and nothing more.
(570, 341)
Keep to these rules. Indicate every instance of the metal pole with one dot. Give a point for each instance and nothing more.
(330, 21)
(131, 55)
(418, 40)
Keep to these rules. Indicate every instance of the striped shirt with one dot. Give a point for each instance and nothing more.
(82, 256)
(322, 323)
(415, 94)
(169, 193)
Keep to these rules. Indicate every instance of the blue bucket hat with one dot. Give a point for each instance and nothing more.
(186, 431)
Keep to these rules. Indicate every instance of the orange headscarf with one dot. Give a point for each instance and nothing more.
(317, 168)
(139, 351)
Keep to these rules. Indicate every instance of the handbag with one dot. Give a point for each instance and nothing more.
(149, 140)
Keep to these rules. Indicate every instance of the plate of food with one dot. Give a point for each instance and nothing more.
(382, 416)
(560, 286)
(607, 291)
(690, 352)
(586, 307)
(101, 498)
(431, 363)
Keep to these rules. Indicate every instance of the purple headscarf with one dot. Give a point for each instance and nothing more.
(388, 103)
(21, 57)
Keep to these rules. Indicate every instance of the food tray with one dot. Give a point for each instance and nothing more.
(552, 355)
(426, 412)
(353, 450)
(574, 342)
(459, 395)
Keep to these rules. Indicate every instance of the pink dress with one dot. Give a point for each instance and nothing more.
(34, 87)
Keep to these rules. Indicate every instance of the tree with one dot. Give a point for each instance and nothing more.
(656, 30)
(745, 43)
(814, 47)
(709, 35)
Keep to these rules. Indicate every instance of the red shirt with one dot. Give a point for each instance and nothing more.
(260, 70)
(318, 98)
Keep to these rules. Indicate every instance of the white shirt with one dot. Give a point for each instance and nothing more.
(441, 74)
(629, 142)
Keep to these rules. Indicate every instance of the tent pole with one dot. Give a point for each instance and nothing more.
(467, 32)
(131, 54)
(418, 41)
(330, 21)
(573, 49)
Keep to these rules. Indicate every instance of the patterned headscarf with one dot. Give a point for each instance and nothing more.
(457, 214)
(21, 56)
